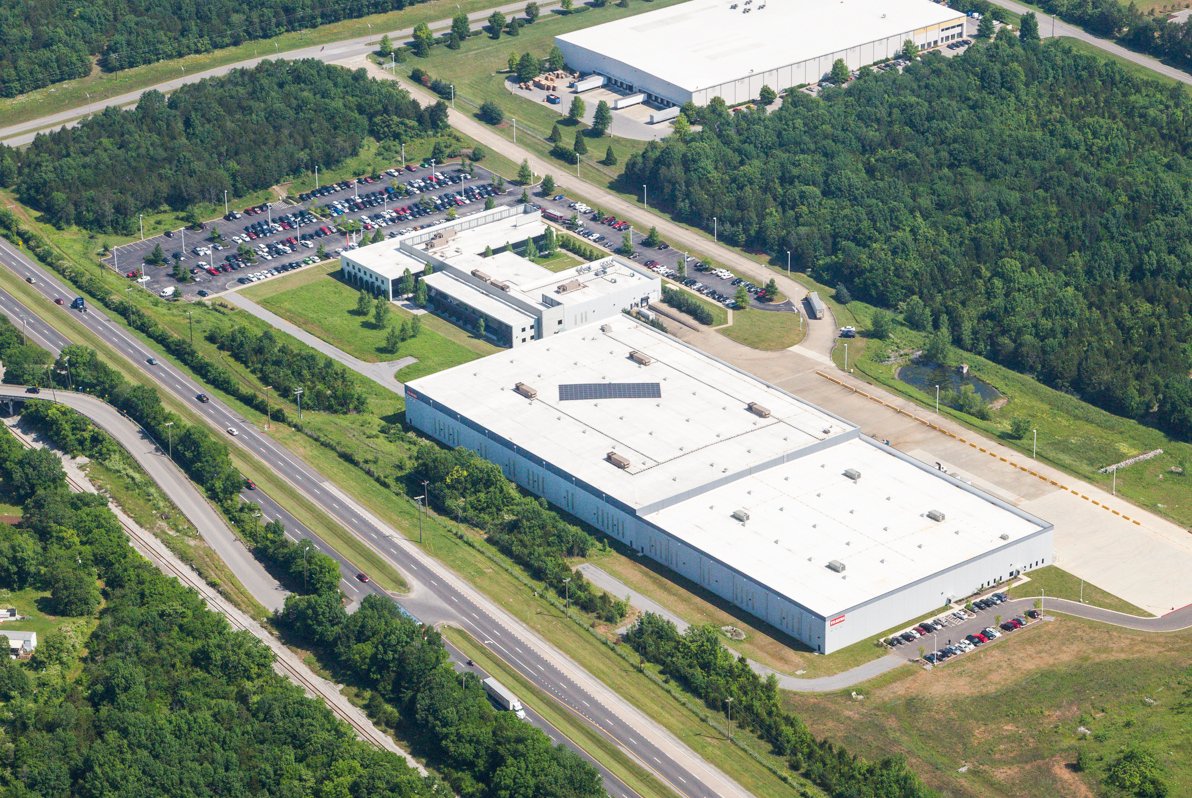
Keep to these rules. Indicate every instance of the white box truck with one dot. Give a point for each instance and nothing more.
(588, 83)
(628, 100)
(665, 115)
(500, 695)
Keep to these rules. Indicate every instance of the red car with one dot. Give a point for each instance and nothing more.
(248, 483)
(58, 301)
(130, 275)
(362, 577)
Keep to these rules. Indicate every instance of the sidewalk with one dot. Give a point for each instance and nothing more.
(383, 374)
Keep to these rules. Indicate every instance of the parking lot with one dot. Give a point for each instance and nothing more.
(960, 631)
(717, 285)
(263, 241)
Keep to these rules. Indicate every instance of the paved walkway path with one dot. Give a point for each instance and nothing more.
(382, 374)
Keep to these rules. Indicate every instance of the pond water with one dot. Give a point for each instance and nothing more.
(926, 376)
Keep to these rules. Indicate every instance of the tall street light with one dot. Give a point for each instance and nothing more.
(298, 392)
(715, 235)
(141, 219)
(170, 434)
(645, 197)
(788, 263)
(729, 701)
(567, 588)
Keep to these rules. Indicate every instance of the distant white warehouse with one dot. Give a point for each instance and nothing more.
(702, 49)
(517, 300)
(771, 503)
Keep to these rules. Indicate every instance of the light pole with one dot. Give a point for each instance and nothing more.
(298, 392)
(567, 589)
(1034, 443)
(846, 357)
(715, 234)
(25, 321)
(69, 379)
(403, 155)
(316, 177)
(226, 209)
(305, 549)
(170, 435)
(515, 131)
(788, 263)
(421, 503)
(1114, 485)
(645, 197)
(50, 377)
(937, 400)
(141, 219)
(268, 410)
(453, 96)
(1082, 585)
(729, 701)
(190, 319)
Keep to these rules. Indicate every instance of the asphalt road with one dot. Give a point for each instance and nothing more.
(24, 132)
(437, 595)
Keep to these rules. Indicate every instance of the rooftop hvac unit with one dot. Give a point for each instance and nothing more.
(606, 328)
(526, 390)
(935, 515)
(741, 515)
(640, 358)
(570, 285)
(837, 566)
(1004, 536)
(620, 461)
(758, 410)
(481, 276)
(853, 474)
(500, 285)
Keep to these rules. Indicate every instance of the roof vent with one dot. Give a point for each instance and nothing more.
(526, 390)
(758, 410)
(620, 461)
(1004, 536)
(935, 515)
(852, 474)
(640, 358)
(741, 515)
(605, 328)
(837, 566)
(500, 285)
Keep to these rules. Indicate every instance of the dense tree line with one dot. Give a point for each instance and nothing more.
(483, 752)
(469, 488)
(43, 42)
(24, 363)
(708, 670)
(326, 385)
(239, 132)
(1037, 200)
(685, 302)
(168, 699)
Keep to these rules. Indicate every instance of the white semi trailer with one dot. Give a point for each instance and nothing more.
(500, 695)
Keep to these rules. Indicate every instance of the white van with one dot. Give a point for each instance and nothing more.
(168, 291)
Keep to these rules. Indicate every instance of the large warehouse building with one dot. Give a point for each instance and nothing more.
(731, 48)
(771, 503)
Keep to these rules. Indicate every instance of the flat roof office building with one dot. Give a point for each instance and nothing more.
(518, 300)
(769, 502)
(731, 48)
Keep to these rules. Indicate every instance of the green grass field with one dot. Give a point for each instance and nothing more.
(31, 603)
(719, 312)
(324, 306)
(102, 85)
(766, 330)
(1008, 714)
(1053, 582)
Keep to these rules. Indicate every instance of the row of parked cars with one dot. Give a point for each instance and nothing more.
(265, 274)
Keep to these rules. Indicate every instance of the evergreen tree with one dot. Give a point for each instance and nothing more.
(554, 59)
(1028, 27)
(576, 112)
(556, 135)
(385, 49)
(392, 340)
(610, 157)
(839, 74)
(528, 67)
(381, 312)
(532, 12)
(514, 26)
(531, 249)
(602, 119)
(363, 303)
(766, 95)
(460, 26)
(524, 175)
(581, 146)
(986, 28)
(548, 185)
(496, 23)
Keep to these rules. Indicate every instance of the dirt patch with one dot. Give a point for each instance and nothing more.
(1067, 782)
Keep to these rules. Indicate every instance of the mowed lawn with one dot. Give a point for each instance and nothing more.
(324, 306)
(1004, 720)
(764, 329)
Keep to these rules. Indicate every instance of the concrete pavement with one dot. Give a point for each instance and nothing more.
(384, 373)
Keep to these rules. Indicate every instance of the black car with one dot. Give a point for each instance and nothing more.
(204, 398)
(33, 389)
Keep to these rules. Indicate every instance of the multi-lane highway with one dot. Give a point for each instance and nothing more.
(438, 595)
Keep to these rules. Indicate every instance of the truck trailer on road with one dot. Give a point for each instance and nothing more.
(500, 695)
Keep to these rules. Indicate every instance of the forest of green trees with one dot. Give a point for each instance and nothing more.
(43, 42)
(163, 698)
(240, 132)
(1037, 200)
(705, 668)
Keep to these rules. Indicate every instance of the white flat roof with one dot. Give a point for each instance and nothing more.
(483, 302)
(805, 513)
(385, 259)
(705, 43)
(699, 430)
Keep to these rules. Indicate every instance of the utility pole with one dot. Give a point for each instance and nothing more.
(403, 155)
(298, 392)
(191, 322)
(846, 357)
(226, 211)
(453, 96)
(937, 400)
(515, 131)
(645, 197)
(268, 410)
(715, 232)
(141, 219)
(1034, 443)
(316, 176)
(729, 701)
(788, 263)
(421, 503)
(567, 589)
(305, 549)
(170, 434)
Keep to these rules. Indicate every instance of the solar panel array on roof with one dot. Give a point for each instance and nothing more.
(609, 390)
